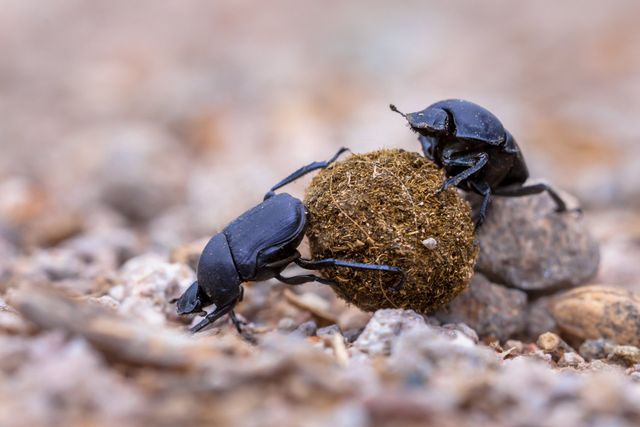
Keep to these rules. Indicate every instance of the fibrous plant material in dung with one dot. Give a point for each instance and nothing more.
(384, 207)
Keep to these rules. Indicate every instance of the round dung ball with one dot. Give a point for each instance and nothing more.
(385, 207)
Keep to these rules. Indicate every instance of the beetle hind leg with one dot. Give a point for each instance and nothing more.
(330, 262)
(236, 321)
(518, 191)
(303, 278)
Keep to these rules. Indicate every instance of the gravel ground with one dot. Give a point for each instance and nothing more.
(131, 133)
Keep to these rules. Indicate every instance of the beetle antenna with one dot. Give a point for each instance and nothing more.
(395, 110)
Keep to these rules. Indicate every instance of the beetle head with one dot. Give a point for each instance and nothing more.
(432, 121)
(192, 300)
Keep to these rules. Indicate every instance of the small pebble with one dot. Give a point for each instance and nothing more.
(627, 355)
(570, 359)
(554, 345)
(328, 330)
(595, 349)
(287, 324)
(384, 328)
(430, 243)
(306, 329)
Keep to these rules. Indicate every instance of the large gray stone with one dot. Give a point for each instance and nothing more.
(525, 244)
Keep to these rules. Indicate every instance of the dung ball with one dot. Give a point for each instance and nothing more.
(385, 207)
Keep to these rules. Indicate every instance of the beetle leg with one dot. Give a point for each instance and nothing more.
(213, 316)
(304, 278)
(561, 206)
(485, 190)
(250, 338)
(303, 171)
(475, 161)
(236, 322)
(330, 262)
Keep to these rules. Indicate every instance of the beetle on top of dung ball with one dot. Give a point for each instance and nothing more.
(477, 153)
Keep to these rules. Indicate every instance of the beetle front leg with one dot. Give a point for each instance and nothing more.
(213, 316)
(475, 162)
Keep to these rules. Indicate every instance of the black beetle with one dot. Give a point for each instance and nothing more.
(258, 245)
(477, 153)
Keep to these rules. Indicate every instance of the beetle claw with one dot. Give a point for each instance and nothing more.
(445, 186)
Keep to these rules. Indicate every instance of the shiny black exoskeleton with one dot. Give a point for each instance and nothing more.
(477, 153)
(258, 245)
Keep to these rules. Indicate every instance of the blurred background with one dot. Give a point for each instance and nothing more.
(170, 118)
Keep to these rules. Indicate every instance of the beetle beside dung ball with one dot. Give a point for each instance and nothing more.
(406, 271)
(259, 245)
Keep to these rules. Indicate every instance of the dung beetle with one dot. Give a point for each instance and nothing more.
(259, 245)
(477, 153)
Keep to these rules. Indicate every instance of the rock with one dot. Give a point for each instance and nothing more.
(10, 320)
(328, 330)
(421, 351)
(595, 349)
(353, 318)
(570, 359)
(491, 310)
(54, 227)
(76, 376)
(525, 244)
(552, 344)
(314, 304)
(78, 264)
(60, 267)
(286, 324)
(627, 355)
(539, 318)
(106, 247)
(514, 346)
(384, 328)
(350, 335)
(7, 253)
(306, 329)
(138, 169)
(146, 284)
(593, 312)
(454, 329)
